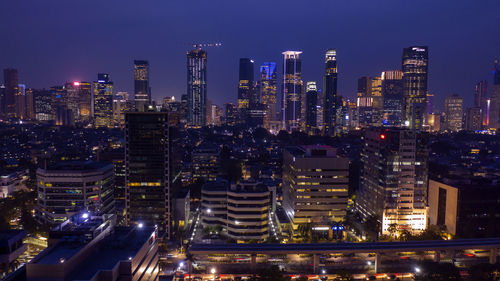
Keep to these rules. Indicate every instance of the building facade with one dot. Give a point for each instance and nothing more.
(147, 171)
(292, 91)
(142, 91)
(414, 67)
(311, 106)
(103, 91)
(268, 92)
(197, 87)
(453, 110)
(392, 94)
(330, 92)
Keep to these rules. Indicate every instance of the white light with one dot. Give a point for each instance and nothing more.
(140, 225)
(369, 263)
(236, 222)
(129, 258)
(209, 211)
(181, 264)
(212, 270)
(323, 271)
(85, 216)
(417, 270)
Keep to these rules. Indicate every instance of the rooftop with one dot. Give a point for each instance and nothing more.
(78, 166)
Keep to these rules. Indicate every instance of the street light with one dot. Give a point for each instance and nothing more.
(212, 270)
(323, 271)
(417, 269)
(369, 263)
(209, 211)
(140, 225)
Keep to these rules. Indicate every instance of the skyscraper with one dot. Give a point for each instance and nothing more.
(11, 90)
(103, 101)
(147, 174)
(365, 102)
(392, 94)
(245, 86)
(292, 90)
(20, 101)
(453, 110)
(481, 101)
(393, 182)
(473, 119)
(142, 91)
(268, 91)
(414, 67)
(311, 106)
(197, 87)
(494, 112)
(330, 92)
(30, 104)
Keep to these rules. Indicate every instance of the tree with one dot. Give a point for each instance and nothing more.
(343, 276)
(372, 224)
(433, 271)
(484, 272)
(272, 273)
(393, 229)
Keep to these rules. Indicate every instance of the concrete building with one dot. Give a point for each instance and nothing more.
(473, 119)
(205, 159)
(10, 182)
(465, 207)
(453, 110)
(242, 209)
(70, 187)
(11, 247)
(87, 247)
(393, 180)
(315, 185)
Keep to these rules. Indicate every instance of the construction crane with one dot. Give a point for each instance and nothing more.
(204, 45)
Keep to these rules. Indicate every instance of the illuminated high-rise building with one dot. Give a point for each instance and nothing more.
(330, 92)
(245, 86)
(230, 114)
(494, 111)
(364, 102)
(473, 119)
(392, 94)
(453, 110)
(393, 180)
(103, 101)
(11, 90)
(43, 103)
(78, 99)
(481, 101)
(311, 106)
(147, 173)
(268, 92)
(292, 90)
(20, 98)
(30, 104)
(142, 91)
(414, 67)
(197, 87)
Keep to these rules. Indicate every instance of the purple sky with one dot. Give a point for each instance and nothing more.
(54, 41)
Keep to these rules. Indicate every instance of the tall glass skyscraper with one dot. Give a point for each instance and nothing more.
(147, 174)
(245, 85)
(311, 106)
(197, 87)
(268, 91)
(494, 114)
(481, 101)
(142, 91)
(103, 101)
(330, 92)
(392, 93)
(11, 90)
(414, 67)
(292, 90)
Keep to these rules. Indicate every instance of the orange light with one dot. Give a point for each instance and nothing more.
(382, 136)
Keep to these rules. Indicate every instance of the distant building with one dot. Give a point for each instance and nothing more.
(494, 108)
(392, 94)
(11, 248)
(393, 181)
(11, 90)
(366, 110)
(414, 66)
(30, 104)
(473, 119)
(197, 87)
(481, 101)
(245, 87)
(242, 208)
(315, 186)
(43, 100)
(205, 160)
(230, 114)
(142, 91)
(68, 188)
(147, 172)
(292, 91)
(453, 110)
(89, 247)
(103, 101)
(268, 92)
(330, 92)
(13, 181)
(311, 106)
(465, 207)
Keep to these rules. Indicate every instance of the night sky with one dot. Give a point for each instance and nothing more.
(55, 41)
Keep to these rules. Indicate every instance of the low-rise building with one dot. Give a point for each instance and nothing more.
(12, 181)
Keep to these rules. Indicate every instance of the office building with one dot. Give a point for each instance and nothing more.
(241, 208)
(466, 207)
(20, 102)
(330, 92)
(366, 111)
(205, 160)
(393, 182)
(453, 110)
(12, 247)
(230, 114)
(12, 181)
(268, 92)
(68, 188)
(494, 110)
(473, 119)
(103, 101)
(414, 67)
(245, 87)
(315, 186)
(142, 91)
(147, 175)
(30, 104)
(481, 101)
(89, 247)
(292, 90)
(197, 87)
(392, 94)
(11, 84)
(120, 106)
(311, 106)
(43, 105)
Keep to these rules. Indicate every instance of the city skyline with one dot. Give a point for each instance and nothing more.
(79, 59)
